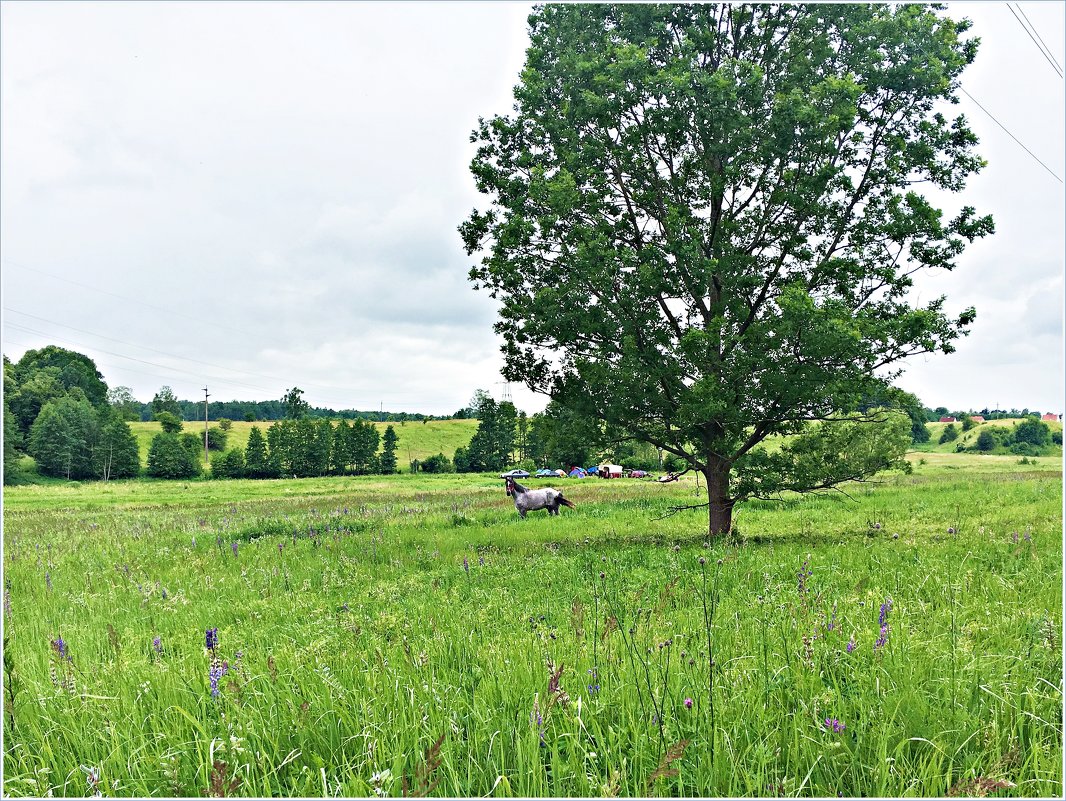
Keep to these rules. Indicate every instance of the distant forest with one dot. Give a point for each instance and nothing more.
(275, 410)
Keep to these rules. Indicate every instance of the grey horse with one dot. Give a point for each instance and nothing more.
(529, 500)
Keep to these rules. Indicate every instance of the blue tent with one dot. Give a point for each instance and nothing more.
(578, 472)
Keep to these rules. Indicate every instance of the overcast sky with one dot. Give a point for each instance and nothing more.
(254, 196)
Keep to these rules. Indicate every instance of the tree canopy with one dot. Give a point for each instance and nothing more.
(704, 220)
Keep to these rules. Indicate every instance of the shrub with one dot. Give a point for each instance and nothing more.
(1056, 437)
(169, 422)
(967, 422)
(229, 464)
(437, 464)
(216, 439)
(987, 441)
(950, 434)
(193, 443)
(1033, 431)
(225, 424)
(1022, 448)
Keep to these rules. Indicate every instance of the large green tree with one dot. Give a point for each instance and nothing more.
(703, 221)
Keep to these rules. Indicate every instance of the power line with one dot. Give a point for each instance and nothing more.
(1012, 136)
(123, 297)
(337, 393)
(123, 356)
(1045, 51)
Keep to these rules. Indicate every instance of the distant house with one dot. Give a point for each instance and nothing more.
(977, 418)
(1051, 417)
(610, 471)
(947, 419)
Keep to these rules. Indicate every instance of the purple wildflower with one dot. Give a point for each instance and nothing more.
(157, 643)
(60, 647)
(951, 530)
(233, 547)
(851, 644)
(832, 624)
(211, 638)
(7, 603)
(466, 565)
(832, 724)
(481, 561)
(48, 580)
(688, 703)
(883, 638)
(281, 547)
(886, 607)
(1014, 537)
(804, 574)
(1027, 536)
(214, 674)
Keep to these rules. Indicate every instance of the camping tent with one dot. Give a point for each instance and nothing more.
(577, 472)
(611, 470)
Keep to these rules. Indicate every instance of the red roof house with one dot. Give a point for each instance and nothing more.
(947, 419)
(1050, 417)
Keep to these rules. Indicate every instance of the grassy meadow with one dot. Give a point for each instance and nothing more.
(410, 635)
(417, 440)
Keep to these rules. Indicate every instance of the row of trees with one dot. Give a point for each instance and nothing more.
(165, 400)
(305, 447)
(934, 415)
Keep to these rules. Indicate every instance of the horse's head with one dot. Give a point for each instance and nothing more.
(510, 486)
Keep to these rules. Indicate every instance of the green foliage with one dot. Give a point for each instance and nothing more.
(256, 458)
(125, 405)
(491, 448)
(216, 439)
(12, 440)
(967, 422)
(225, 424)
(387, 460)
(437, 464)
(61, 437)
(193, 443)
(295, 405)
(950, 434)
(1032, 431)
(229, 464)
(683, 210)
(169, 422)
(1056, 437)
(169, 457)
(69, 368)
(827, 454)
(115, 453)
(988, 440)
(561, 436)
(165, 401)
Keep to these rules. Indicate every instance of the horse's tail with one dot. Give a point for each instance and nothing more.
(565, 502)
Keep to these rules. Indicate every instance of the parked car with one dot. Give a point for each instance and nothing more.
(515, 474)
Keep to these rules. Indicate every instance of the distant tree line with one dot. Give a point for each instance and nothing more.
(58, 409)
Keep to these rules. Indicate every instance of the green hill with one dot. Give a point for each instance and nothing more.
(416, 440)
(969, 438)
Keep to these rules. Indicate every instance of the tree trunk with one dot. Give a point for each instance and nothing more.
(720, 506)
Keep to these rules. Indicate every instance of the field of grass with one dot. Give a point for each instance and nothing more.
(416, 440)
(378, 635)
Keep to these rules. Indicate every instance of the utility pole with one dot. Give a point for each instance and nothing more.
(205, 427)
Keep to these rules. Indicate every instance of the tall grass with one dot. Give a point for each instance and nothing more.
(384, 636)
